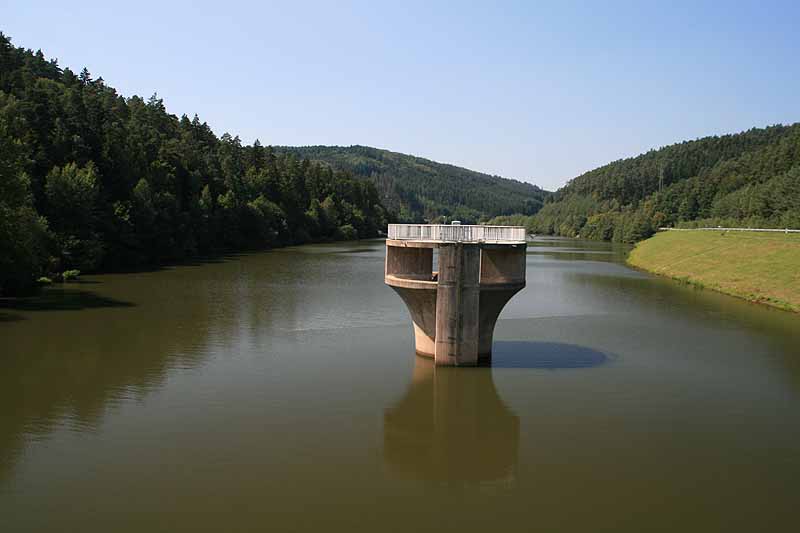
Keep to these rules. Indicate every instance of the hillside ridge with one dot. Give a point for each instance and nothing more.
(418, 189)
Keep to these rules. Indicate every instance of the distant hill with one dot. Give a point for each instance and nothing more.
(418, 189)
(748, 179)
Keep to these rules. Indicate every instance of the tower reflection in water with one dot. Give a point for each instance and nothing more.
(451, 427)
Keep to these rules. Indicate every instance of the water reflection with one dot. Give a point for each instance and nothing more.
(451, 427)
(74, 354)
(678, 307)
(577, 250)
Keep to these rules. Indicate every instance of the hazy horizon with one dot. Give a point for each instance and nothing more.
(536, 93)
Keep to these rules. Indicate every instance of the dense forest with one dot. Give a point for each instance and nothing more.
(90, 180)
(750, 179)
(421, 190)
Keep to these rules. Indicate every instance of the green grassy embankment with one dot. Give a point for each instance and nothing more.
(760, 267)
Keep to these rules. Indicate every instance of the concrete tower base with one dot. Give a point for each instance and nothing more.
(454, 310)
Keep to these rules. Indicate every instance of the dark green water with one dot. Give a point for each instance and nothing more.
(280, 392)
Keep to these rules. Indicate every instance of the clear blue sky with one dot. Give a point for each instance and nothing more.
(535, 91)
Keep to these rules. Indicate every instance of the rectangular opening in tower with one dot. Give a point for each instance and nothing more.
(409, 262)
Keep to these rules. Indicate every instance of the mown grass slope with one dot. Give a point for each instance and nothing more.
(760, 267)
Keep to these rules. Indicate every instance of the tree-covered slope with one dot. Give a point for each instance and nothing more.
(92, 180)
(418, 189)
(748, 179)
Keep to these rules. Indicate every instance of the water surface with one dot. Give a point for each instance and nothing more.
(279, 391)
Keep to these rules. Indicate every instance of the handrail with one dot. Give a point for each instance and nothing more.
(456, 233)
(772, 230)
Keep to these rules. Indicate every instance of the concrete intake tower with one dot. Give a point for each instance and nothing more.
(454, 309)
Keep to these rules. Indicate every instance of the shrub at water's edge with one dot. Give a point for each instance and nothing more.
(759, 267)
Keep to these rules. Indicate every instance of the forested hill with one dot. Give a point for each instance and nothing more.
(418, 189)
(749, 179)
(91, 180)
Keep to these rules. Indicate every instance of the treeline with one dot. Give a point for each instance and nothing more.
(420, 190)
(750, 179)
(90, 180)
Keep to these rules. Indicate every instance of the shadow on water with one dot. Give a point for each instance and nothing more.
(451, 427)
(8, 317)
(61, 300)
(544, 355)
(357, 251)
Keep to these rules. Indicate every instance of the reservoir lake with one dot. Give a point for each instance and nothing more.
(279, 391)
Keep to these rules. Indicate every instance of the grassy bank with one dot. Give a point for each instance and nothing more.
(760, 267)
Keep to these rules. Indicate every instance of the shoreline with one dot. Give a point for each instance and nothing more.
(757, 267)
(213, 257)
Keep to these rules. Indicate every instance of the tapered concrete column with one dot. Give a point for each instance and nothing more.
(421, 303)
(457, 305)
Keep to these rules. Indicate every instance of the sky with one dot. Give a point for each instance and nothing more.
(538, 91)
